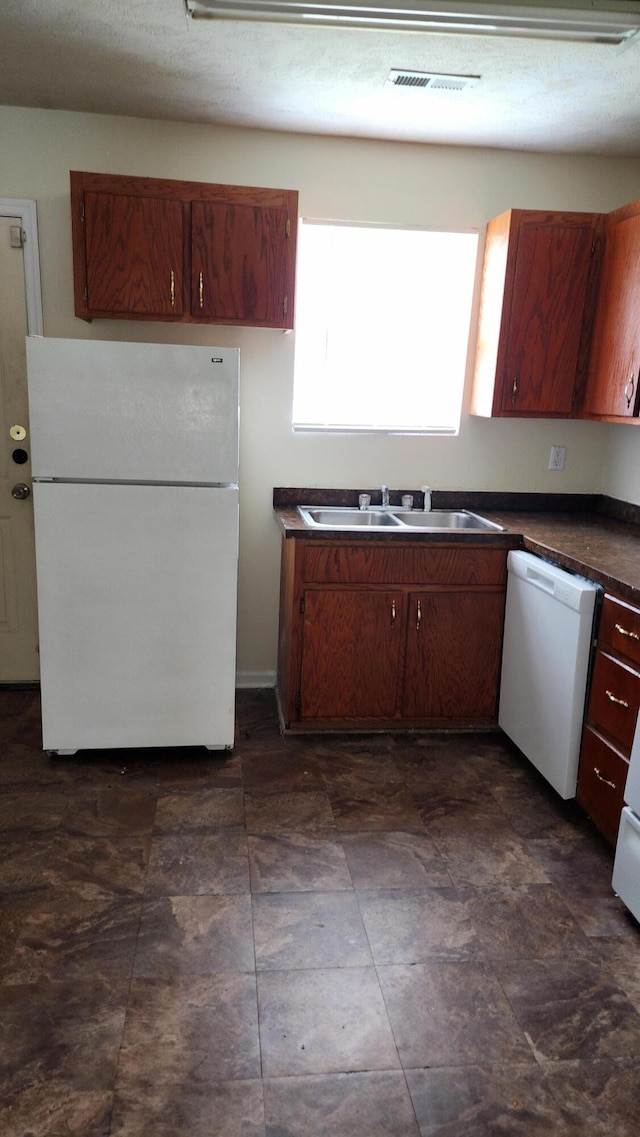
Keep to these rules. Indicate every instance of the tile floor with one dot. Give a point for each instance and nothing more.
(381, 936)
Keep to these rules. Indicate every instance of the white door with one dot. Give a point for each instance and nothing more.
(137, 595)
(19, 660)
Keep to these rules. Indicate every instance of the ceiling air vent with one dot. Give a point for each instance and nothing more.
(431, 80)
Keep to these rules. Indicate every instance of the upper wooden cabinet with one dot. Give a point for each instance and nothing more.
(538, 285)
(150, 249)
(612, 386)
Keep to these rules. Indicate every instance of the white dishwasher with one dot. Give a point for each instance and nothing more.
(548, 636)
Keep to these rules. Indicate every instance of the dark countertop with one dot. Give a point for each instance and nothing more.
(585, 536)
(600, 548)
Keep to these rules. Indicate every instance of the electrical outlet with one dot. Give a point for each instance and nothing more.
(556, 457)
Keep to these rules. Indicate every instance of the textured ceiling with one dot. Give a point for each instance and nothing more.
(147, 58)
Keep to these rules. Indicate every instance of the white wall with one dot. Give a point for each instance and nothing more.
(340, 179)
(621, 472)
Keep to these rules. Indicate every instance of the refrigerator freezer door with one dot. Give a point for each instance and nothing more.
(137, 612)
(111, 411)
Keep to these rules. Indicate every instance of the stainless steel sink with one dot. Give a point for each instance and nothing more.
(342, 518)
(446, 519)
(327, 517)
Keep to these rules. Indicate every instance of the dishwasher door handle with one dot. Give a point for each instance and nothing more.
(540, 580)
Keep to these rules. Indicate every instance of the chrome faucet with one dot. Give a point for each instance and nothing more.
(427, 498)
(384, 496)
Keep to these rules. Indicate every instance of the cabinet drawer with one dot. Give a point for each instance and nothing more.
(601, 780)
(411, 565)
(614, 699)
(620, 628)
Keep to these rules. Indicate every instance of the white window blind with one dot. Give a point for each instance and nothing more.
(382, 327)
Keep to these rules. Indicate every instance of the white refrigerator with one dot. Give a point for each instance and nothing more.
(135, 484)
(626, 868)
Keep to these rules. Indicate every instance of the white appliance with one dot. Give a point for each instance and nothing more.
(135, 468)
(626, 868)
(548, 637)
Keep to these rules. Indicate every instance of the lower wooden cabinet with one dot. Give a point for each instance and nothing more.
(351, 651)
(612, 710)
(603, 773)
(387, 635)
(453, 650)
(614, 699)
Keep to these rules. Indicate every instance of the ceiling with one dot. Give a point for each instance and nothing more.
(148, 59)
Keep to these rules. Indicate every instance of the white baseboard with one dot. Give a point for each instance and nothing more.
(250, 679)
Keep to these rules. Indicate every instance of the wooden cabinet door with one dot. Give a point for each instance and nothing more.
(133, 243)
(239, 269)
(601, 780)
(134, 255)
(350, 654)
(612, 385)
(551, 275)
(614, 700)
(454, 644)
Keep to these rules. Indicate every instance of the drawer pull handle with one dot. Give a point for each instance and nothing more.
(625, 632)
(393, 612)
(620, 702)
(628, 391)
(601, 779)
(419, 616)
(201, 290)
(172, 288)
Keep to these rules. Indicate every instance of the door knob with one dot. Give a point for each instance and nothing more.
(20, 491)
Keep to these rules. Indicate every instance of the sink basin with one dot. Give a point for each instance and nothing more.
(327, 517)
(446, 519)
(342, 518)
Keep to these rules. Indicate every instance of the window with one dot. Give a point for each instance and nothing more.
(382, 328)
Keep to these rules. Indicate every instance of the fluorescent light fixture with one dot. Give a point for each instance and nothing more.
(601, 21)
